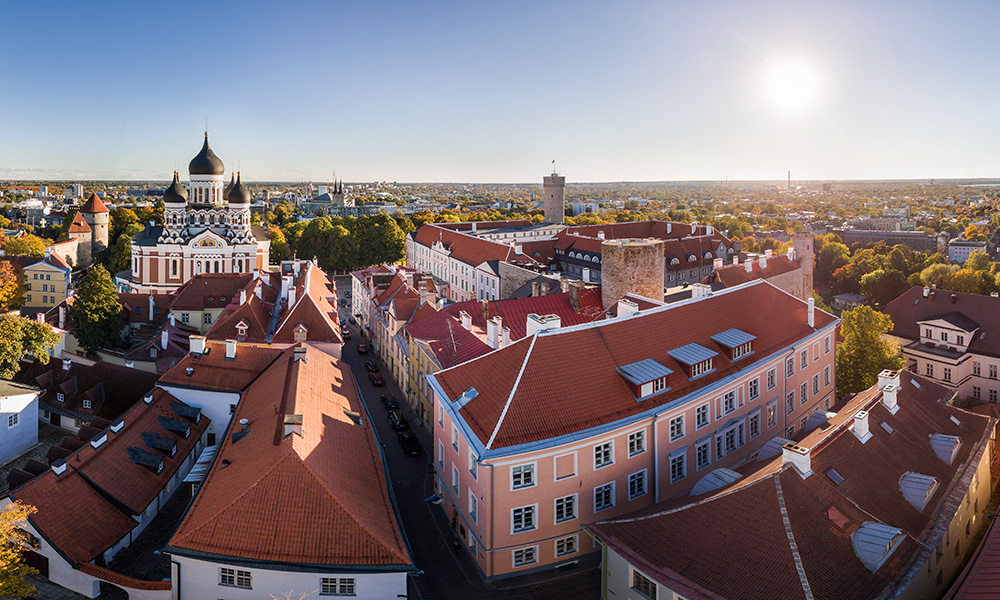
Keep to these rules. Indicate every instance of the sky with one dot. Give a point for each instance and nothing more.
(474, 91)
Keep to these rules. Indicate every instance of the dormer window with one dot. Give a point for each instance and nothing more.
(874, 542)
(645, 378)
(735, 341)
(87, 404)
(944, 336)
(60, 397)
(701, 368)
(961, 340)
(696, 359)
(917, 488)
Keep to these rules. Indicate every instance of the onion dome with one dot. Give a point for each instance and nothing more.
(229, 188)
(176, 192)
(239, 194)
(206, 163)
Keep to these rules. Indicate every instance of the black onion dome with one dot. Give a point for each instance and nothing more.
(176, 192)
(239, 194)
(206, 163)
(229, 188)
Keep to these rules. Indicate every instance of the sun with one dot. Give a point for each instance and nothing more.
(792, 84)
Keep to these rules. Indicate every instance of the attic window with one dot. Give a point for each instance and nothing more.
(738, 342)
(697, 358)
(241, 329)
(86, 404)
(674, 261)
(945, 446)
(917, 488)
(152, 352)
(645, 377)
(60, 397)
(834, 476)
(874, 542)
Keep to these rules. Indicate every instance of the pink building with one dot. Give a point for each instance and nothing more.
(573, 425)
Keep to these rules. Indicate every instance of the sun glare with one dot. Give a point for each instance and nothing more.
(792, 84)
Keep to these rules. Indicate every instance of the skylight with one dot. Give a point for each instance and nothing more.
(834, 476)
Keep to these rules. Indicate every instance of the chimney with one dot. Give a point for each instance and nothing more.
(627, 307)
(889, 398)
(98, 440)
(564, 284)
(197, 344)
(811, 311)
(67, 363)
(291, 296)
(717, 264)
(518, 249)
(575, 287)
(299, 354)
(994, 295)
(861, 429)
(293, 424)
(799, 458)
(790, 254)
(748, 265)
(536, 323)
(493, 327)
(762, 259)
(701, 290)
(189, 371)
(954, 298)
(286, 282)
(62, 316)
(466, 320)
(600, 235)
(505, 337)
(117, 426)
(736, 259)
(585, 274)
(535, 288)
(59, 467)
(173, 320)
(297, 266)
(888, 377)
(150, 314)
(243, 297)
(474, 227)
(40, 317)
(164, 338)
(231, 349)
(422, 289)
(769, 253)
(129, 364)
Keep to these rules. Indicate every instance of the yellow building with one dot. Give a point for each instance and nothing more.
(47, 282)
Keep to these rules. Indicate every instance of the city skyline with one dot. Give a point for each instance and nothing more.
(453, 92)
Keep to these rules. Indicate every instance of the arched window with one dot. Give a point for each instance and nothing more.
(197, 268)
(217, 267)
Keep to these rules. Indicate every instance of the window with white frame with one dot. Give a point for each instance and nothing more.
(565, 508)
(947, 373)
(755, 424)
(826, 376)
(729, 402)
(771, 379)
(566, 546)
(804, 393)
(976, 392)
(643, 585)
(741, 350)
(338, 586)
(703, 454)
(603, 454)
(604, 496)
(13, 420)
(993, 396)
(790, 402)
(754, 389)
(473, 465)
(525, 556)
(701, 368)
(701, 416)
(677, 428)
(659, 384)
(790, 366)
(772, 413)
(441, 416)
(440, 454)
(636, 443)
(454, 478)
(804, 359)
(522, 518)
(993, 371)
(87, 404)
(826, 345)
(815, 384)
(637, 484)
(473, 507)
(678, 466)
(454, 437)
(235, 578)
(522, 476)
(729, 439)
(977, 368)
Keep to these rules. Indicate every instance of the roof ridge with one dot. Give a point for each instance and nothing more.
(513, 390)
(792, 546)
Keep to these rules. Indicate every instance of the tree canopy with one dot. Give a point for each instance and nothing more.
(864, 352)
(96, 312)
(22, 337)
(14, 540)
(10, 287)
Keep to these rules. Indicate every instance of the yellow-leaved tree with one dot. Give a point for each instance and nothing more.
(14, 540)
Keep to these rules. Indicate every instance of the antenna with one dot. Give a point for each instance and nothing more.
(553, 166)
(206, 124)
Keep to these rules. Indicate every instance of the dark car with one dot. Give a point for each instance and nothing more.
(347, 294)
(347, 334)
(351, 321)
(397, 421)
(372, 367)
(362, 349)
(408, 440)
(376, 379)
(389, 401)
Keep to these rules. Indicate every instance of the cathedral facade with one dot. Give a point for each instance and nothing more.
(206, 229)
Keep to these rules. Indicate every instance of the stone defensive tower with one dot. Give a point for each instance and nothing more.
(631, 266)
(802, 243)
(554, 188)
(97, 216)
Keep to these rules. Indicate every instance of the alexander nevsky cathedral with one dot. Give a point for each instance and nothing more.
(206, 229)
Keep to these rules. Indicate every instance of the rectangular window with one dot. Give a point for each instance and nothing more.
(565, 508)
(13, 420)
(826, 376)
(678, 467)
(603, 455)
(730, 439)
(928, 333)
(523, 518)
(703, 367)
(643, 585)
(473, 465)
(440, 456)
(454, 478)
(454, 437)
(334, 586)
(604, 496)
(993, 396)
(804, 359)
(637, 485)
(729, 402)
(976, 392)
(961, 340)
(772, 413)
(930, 370)
(185, 318)
(566, 546)
(235, 578)
(525, 556)
(701, 417)
(660, 384)
(803, 393)
(441, 416)
(754, 425)
(944, 336)
(473, 507)
(676, 428)
(522, 476)
(754, 389)
(815, 384)
(993, 371)
(636, 443)
(790, 402)
(703, 454)
(977, 368)
(947, 374)
(207, 319)
(741, 350)
(771, 379)
(826, 345)
(790, 367)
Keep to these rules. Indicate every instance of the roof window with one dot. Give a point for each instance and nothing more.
(834, 476)
(917, 488)
(874, 542)
(697, 358)
(713, 480)
(945, 446)
(737, 342)
(645, 377)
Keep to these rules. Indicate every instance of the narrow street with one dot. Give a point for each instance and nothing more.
(444, 573)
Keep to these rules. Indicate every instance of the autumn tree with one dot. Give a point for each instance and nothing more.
(14, 540)
(96, 312)
(22, 337)
(864, 352)
(10, 287)
(25, 245)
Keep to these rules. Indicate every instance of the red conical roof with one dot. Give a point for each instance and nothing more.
(94, 205)
(79, 225)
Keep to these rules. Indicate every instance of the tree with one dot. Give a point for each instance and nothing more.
(26, 245)
(96, 313)
(340, 250)
(864, 352)
(831, 257)
(978, 261)
(121, 218)
(882, 286)
(10, 286)
(22, 337)
(13, 542)
(380, 240)
(120, 254)
(279, 248)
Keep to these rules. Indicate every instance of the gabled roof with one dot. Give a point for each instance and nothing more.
(469, 249)
(327, 483)
(912, 307)
(213, 371)
(567, 383)
(79, 225)
(955, 319)
(253, 314)
(209, 290)
(733, 275)
(682, 542)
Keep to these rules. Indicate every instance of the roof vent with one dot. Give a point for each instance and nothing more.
(130, 364)
(189, 371)
(874, 542)
(148, 398)
(118, 425)
(66, 364)
(98, 440)
(245, 423)
(176, 426)
(147, 459)
(799, 457)
(293, 424)
(917, 488)
(158, 442)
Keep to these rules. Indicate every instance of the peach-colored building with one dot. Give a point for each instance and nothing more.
(573, 425)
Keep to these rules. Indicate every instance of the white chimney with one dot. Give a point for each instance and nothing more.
(762, 259)
(701, 290)
(493, 327)
(243, 297)
(518, 249)
(59, 467)
(888, 377)
(117, 426)
(889, 399)
(627, 307)
(297, 266)
(769, 253)
(861, 429)
(790, 254)
(197, 344)
(291, 296)
(505, 337)
(799, 458)
(536, 323)
(67, 363)
(474, 227)
(600, 235)
(286, 282)
(811, 311)
(669, 227)
(466, 320)
(150, 315)
(717, 264)
(173, 320)
(62, 316)
(98, 440)
(231, 349)
(585, 274)
(748, 265)
(164, 338)
(129, 364)
(736, 259)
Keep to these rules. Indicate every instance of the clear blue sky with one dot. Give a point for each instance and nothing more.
(493, 91)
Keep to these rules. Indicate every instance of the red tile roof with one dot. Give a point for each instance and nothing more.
(327, 485)
(253, 314)
(209, 290)
(94, 205)
(733, 275)
(466, 248)
(79, 225)
(213, 371)
(578, 364)
(686, 543)
(680, 243)
(912, 307)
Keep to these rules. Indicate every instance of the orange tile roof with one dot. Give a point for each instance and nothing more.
(94, 205)
(254, 314)
(733, 275)
(683, 543)
(327, 485)
(79, 225)
(466, 248)
(578, 364)
(209, 290)
(213, 371)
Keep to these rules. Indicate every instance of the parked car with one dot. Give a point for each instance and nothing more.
(347, 334)
(372, 367)
(376, 379)
(389, 401)
(347, 294)
(408, 440)
(362, 349)
(397, 421)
